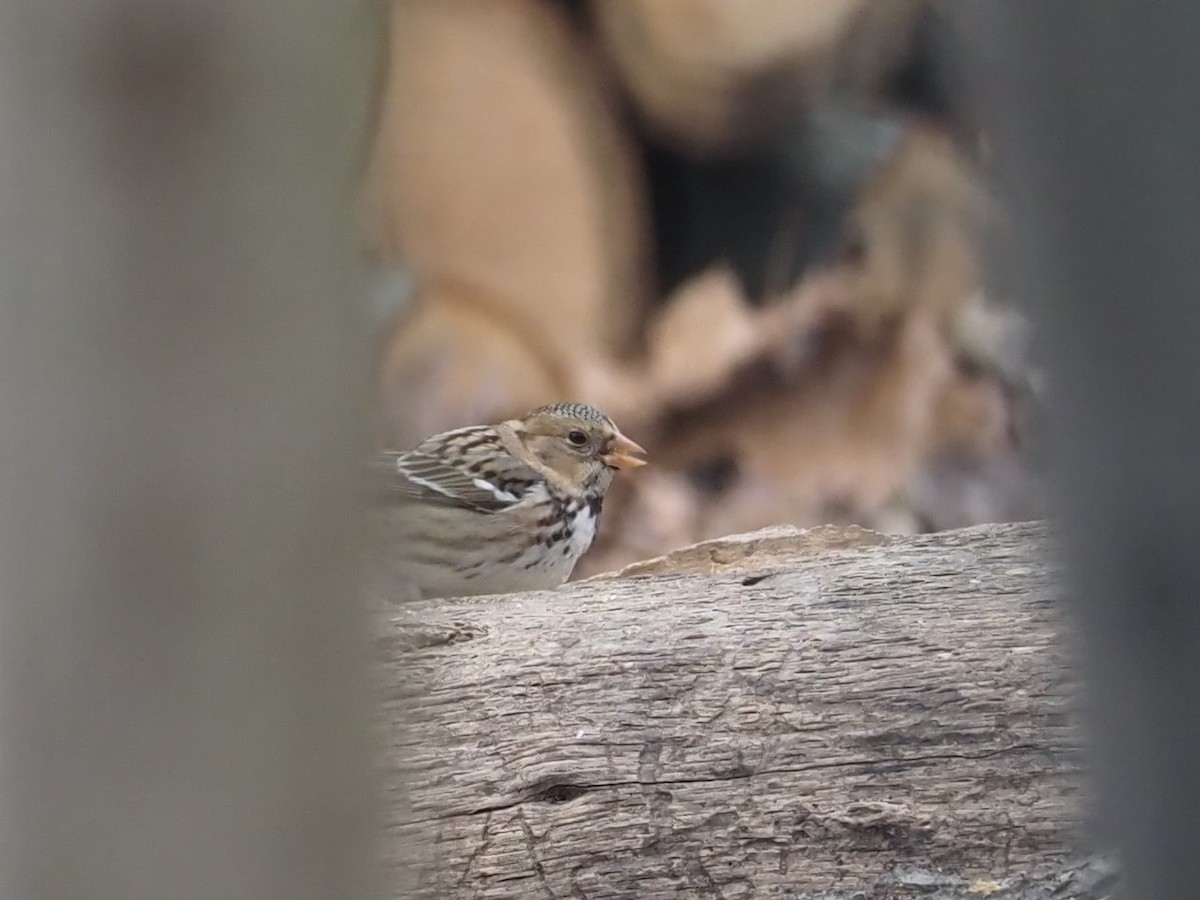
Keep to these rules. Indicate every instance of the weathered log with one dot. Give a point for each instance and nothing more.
(833, 713)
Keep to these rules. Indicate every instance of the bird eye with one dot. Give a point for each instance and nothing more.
(577, 438)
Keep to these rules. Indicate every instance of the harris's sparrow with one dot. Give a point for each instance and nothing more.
(496, 508)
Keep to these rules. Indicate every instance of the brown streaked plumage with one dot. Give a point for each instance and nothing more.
(493, 508)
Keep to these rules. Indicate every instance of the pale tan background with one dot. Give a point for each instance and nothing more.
(506, 177)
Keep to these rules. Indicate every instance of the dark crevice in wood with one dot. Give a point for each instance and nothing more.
(751, 580)
(560, 793)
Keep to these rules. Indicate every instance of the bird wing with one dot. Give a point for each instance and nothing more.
(441, 472)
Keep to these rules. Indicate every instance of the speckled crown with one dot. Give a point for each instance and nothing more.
(579, 411)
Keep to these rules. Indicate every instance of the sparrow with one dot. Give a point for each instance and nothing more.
(492, 509)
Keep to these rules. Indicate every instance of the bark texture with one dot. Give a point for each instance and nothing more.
(825, 714)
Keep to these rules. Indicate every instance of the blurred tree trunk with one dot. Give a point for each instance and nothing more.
(181, 373)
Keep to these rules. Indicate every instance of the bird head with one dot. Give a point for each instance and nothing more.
(577, 443)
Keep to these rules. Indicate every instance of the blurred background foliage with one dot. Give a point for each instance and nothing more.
(752, 233)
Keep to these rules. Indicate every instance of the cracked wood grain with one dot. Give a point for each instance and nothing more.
(863, 720)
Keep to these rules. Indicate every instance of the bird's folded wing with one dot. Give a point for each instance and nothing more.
(418, 476)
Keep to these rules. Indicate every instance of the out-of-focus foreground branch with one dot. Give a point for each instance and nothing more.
(1091, 114)
(181, 707)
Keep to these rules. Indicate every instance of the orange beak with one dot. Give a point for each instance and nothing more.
(620, 452)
